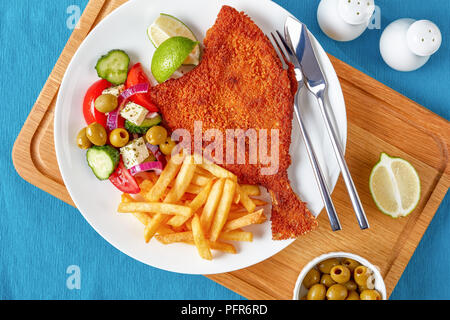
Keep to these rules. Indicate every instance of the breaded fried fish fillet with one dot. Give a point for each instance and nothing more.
(240, 83)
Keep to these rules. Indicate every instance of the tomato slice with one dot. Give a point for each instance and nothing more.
(90, 113)
(123, 180)
(137, 75)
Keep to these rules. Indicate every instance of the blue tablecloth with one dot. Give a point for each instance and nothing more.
(40, 236)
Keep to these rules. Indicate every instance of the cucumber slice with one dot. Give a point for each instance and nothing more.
(113, 66)
(103, 160)
(143, 128)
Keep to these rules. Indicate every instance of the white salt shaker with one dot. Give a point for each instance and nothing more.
(344, 20)
(407, 44)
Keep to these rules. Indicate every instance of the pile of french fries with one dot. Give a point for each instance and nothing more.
(197, 202)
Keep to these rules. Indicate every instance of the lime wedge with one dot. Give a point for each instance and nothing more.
(167, 26)
(395, 186)
(169, 56)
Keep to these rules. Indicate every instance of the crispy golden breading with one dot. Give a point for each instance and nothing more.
(240, 83)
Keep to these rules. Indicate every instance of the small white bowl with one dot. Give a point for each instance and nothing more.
(300, 290)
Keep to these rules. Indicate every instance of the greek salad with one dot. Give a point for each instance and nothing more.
(123, 134)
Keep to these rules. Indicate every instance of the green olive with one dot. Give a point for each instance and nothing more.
(353, 295)
(156, 135)
(370, 295)
(119, 137)
(106, 103)
(340, 274)
(337, 292)
(96, 133)
(350, 264)
(316, 292)
(311, 278)
(361, 275)
(326, 265)
(167, 146)
(82, 140)
(351, 285)
(326, 280)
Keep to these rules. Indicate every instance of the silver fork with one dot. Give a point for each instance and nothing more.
(286, 56)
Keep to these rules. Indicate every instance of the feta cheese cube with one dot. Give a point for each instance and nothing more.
(134, 113)
(134, 153)
(115, 91)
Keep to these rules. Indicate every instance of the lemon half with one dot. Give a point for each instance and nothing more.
(395, 186)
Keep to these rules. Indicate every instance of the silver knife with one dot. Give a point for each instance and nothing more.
(296, 34)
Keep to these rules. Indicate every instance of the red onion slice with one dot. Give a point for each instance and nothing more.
(112, 121)
(147, 166)
(157, 153)
(139, 88)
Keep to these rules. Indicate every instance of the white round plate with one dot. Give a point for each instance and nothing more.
(125, 28)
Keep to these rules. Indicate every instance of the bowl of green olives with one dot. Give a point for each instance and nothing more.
(339, 276)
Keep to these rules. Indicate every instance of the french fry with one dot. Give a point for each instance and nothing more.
(152, 227)
(200, 180)
(218, 245)
(127, 198)
(196, 204)
(202, 197)
(188, 197)
(237, 198)
(245, 200)
(214, 168)
(211, 204)
(143, 217)
(188, 224)
(192, 188)
(236, 214)
(145, 187)
(223, 209)
(167, 175)
(199, 239)
(251, 218)
(177, 221)
(258, 202)
(182, 180)
(156, 207)
(236, 235)
(262, 219)
(239, 214)
(175, 237)
(251, 190)
(203, 172)
(164, 229)
(222, 246)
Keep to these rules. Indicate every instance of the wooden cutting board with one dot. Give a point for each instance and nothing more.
(379, 119)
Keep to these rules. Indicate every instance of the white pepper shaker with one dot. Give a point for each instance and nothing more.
(407, 44)
(344, 20)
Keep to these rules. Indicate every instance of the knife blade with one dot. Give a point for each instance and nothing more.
(298, 34)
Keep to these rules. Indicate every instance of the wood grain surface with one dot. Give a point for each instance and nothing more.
(379, 120)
